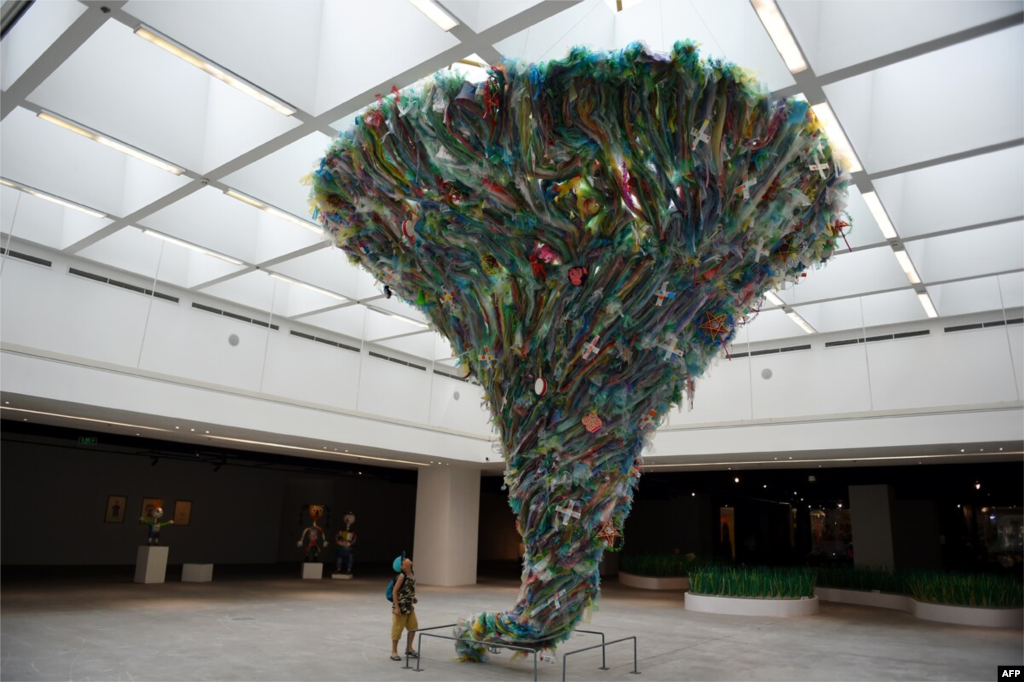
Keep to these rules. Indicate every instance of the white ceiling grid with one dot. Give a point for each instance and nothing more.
(931, 95)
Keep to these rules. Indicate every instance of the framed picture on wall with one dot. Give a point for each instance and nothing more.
(182, 512)
(147, 504)
(117, 505)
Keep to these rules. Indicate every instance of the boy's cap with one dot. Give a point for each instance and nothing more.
(397, 563)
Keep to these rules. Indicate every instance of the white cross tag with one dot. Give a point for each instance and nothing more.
(663, 293)
(670, 348)
(699, 135)
(487, 356)
(591, 348)
(819, 166)
(569, 511)
(745, 187)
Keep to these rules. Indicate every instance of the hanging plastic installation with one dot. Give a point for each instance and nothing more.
(588, 233)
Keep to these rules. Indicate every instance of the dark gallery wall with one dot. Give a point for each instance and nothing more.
(54, 497)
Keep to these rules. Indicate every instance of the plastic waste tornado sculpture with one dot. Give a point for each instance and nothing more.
(587, 233)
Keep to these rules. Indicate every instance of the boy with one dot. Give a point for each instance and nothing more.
(403, 617)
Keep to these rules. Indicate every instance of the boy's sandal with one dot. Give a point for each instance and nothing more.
(412, 654)
(396, 657)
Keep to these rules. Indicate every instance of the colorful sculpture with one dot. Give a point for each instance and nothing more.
(588, 233)
(345, 540)
(313, 535)
(153, 521)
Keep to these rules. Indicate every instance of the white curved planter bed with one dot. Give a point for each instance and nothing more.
(942, 613)
(648, 583)
(748, 606)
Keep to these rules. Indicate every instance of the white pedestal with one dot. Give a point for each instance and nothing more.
(312, 571)
(151, 564)
(196, 573)
(341, 576)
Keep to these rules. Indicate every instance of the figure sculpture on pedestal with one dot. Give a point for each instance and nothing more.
(313, 536)
(155, 513)
(346, 540)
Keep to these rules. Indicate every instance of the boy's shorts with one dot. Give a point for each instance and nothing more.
(403, 621)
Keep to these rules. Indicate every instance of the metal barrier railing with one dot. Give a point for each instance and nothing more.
(420, 633)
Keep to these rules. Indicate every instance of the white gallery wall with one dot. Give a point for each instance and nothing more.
(105, 345)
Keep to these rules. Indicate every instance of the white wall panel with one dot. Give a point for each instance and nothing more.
(64, 314)
(467, 413)
(961, 368)
(312, 372)
(393, 390)
(1015, 339)
(971, 296)
(723, 394)
(827, 381)
(184, 342)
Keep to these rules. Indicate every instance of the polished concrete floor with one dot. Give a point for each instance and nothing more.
(276, 627)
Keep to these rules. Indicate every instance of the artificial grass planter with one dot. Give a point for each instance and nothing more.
(932, 587)
(756, 582)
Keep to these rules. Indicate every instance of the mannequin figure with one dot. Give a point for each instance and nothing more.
(155, 514)
(346, 540)
(313, 535)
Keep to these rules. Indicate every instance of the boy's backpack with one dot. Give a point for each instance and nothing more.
(389, 593)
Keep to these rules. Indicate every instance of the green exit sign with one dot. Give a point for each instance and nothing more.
(88, 440)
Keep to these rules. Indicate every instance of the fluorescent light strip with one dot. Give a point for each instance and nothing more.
(434, 12)
(403, 318)
(908, 267)
(771, 19)
(801, 322)
(302, 449)
(926, 303)
(297, 283)
(815, 461)
(879, 214)
(836, 137)
(217, 72)
(51, 198)
(110, 142)
(82, 419)
(276, 212)
(193, 247)
(774, 298)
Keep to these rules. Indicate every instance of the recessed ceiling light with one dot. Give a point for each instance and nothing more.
(276, 212)
(801, 322)
(737, 479)
(436, 14)
(774, 298)
(223, 75)
(304, 285)
(109, 142)
(192, 247)
(51, 198)
(879, 214)
(837, 139)
(693, 494)
(907, 266)
(81, 419)
(192, 429)
(207, 431)
(778, 31)
(926, 303)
